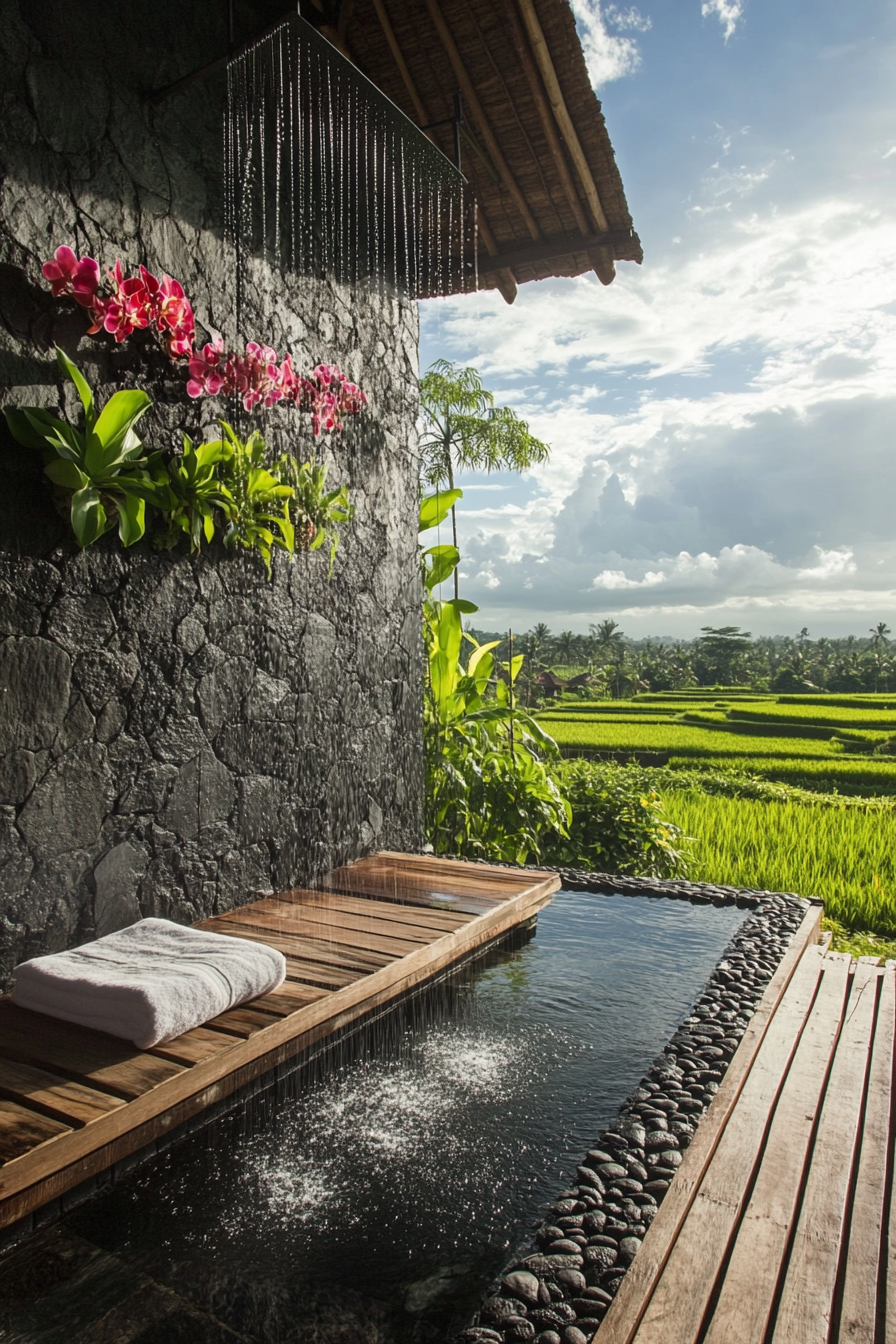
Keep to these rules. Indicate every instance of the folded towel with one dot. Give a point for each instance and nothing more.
(149, 982)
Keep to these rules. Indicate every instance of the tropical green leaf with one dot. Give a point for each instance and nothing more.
(72, 371)
(65, 473)
(444, 560)
(434, 509)
(89, 519)
(131, 518)
(119, 415)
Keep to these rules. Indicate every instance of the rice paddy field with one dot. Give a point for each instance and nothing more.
(827, 824)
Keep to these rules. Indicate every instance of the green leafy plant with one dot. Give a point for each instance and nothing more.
(189, 489)
(317, 513)
(489, 793)
(108, 479)
(617, 824)
(102, 465)
(258, 514)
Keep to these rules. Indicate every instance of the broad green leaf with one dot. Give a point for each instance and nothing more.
(131, 518)
(434, 509)
(88, 515)
(30, 427)
(479, 652)
(461, 604)
(120, 413)
(66, 474)
(80, 383)
(444, 561)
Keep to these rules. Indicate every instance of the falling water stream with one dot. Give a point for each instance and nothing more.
(376, 1193)
(325, 176)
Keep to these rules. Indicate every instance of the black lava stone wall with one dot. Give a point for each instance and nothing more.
(177, 733)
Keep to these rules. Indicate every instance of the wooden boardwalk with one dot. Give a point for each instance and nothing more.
(780, 1225)
(73, 1102)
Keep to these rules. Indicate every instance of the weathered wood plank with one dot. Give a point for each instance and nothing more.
(681, 1298)
(71, 1103)
(744, 1305)
(868, 1215)
(340, 928)
(327, 956)
(417, 914)
(243, 1021)
(193, 1046)
(289, 997)
(62, 1162)
(805, 1309)
(21, 1129)
(100, 1061)
(625, 1313)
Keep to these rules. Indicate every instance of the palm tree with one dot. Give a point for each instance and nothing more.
(879, 634)
(462, 427)
(566, 642)
(609, 637)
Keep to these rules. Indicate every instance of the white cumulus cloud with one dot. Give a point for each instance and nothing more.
(831, 564)
(728, 12)
(609, 54)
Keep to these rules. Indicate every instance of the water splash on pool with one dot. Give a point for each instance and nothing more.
(382, 1189)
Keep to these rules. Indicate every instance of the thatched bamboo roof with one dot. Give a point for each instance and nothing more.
(535, 146)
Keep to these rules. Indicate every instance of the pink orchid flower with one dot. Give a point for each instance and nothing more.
(70, 275)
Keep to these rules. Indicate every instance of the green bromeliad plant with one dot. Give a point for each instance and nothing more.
(220, 487)
(102, 466)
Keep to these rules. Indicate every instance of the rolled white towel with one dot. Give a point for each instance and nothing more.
(149, 982)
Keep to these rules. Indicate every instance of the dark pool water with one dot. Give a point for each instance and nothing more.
(377, 1201)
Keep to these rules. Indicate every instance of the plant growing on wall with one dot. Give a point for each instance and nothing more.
(102, 468)
(224, 484)
(488, 792)
(106, 477)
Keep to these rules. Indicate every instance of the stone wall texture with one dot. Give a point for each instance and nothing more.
(177, 733)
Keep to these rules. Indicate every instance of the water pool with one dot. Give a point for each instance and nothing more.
(378, 1197)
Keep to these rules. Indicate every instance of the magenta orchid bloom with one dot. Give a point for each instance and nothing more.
(70, 275)
(142, 301)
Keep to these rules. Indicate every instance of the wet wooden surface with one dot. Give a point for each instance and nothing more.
(74, 1101)
(774, 1229)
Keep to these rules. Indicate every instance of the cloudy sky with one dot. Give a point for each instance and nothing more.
(722, 418)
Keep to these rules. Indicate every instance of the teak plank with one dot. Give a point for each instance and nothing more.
(349, 938)
(805, 1309)
(748, 1289)
(58, 1097)
(21, 1129)
(625, 1313)
(330, 929)
(445, 921)
(329, 955)
(681, 1298)
(336, 912)
(55, 1166)
(193, 1046)
(289, 997)
(244, 1021)
(421, 894)
(331, 924)
(868, 1215)
(101, 1061)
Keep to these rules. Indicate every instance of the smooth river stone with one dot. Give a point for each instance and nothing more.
(610, 1171)
(522, 1284)
(564, 1247)
(517, 1327)
(495, 1310)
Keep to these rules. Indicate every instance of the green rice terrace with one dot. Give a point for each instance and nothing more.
(787, 792)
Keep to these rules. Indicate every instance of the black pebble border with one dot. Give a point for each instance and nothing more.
(560, 1292)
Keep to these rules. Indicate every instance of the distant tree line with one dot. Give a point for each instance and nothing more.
(720, 656)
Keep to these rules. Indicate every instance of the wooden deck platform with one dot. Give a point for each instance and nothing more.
(73, 1102)
(780, 1225)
